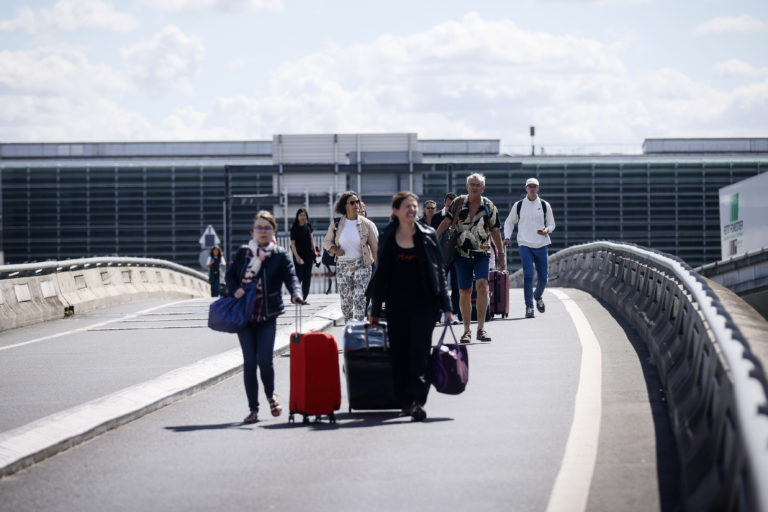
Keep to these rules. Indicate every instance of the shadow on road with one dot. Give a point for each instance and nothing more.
(353, 420)
(219, 426)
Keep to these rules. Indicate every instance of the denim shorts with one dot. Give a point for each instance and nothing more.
(478, 266)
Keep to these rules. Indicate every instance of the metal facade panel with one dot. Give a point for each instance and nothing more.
(729, 145)
(380, 184)
(314, 184)
(336, 148)
(460, 147)
(135, 149)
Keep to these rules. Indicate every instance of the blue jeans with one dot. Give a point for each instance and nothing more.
(530, 258)
(258, 343)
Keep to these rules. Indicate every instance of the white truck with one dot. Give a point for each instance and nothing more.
(744, 216)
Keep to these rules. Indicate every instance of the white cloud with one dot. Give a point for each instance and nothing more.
(165, 64)
(71, 15)
(55, 72)
(41, 118)
(616, 2)
(223, 5)
(26, 20)
(739, 68)
(460, 79)
(477, 78)
(744, 23)
(238, 63)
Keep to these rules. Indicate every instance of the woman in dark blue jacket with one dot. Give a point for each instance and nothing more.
(269, 266)
(410, 279)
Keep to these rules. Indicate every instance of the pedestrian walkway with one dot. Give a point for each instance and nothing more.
(515, 438)
(62, 354)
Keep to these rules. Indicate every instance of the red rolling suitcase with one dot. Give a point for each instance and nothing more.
(498, 284)
(315, 376)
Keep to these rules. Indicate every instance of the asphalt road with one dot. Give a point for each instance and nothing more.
(498, 446)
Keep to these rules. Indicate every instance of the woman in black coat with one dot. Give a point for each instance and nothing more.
(410, 279)
(270, 266)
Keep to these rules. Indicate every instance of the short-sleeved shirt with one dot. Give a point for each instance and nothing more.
(474, 233)
(302, 235)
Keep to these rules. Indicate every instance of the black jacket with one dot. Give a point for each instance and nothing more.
(432, 267)
(275, 271)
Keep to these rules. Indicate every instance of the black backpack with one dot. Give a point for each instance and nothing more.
(519, 204)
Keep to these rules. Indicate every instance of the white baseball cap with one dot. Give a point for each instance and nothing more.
(532, 181)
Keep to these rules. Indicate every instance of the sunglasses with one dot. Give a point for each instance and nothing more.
(262, 228)
(353, 202)
(430, 208)
(531, 186)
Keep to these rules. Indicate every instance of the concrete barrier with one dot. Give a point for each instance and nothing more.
(37, 292)
(715, 383)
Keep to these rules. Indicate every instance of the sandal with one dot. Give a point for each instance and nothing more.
(252, 418)
(274, 406)
(466, 337)
(482, 335)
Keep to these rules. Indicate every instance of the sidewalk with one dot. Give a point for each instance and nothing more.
(23, 446)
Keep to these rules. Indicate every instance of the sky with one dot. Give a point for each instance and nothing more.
(590, 75)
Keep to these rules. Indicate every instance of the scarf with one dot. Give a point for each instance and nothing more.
(259, 254)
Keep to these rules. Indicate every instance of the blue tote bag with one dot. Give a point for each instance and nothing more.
(229, 314)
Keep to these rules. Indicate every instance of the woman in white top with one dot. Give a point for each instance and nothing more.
(354, 245)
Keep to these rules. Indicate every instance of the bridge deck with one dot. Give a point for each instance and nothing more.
(501, 444)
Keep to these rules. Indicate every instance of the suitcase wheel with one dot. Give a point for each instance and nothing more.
(291, 419)
(305, 420)
(332, 418)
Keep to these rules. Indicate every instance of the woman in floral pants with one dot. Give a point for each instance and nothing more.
(354, 245)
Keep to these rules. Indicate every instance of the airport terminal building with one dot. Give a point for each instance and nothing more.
(155, 199)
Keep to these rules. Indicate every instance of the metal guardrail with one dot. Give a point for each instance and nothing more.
(742, 260)
(716, 387)
(744, 274)
(49, 267)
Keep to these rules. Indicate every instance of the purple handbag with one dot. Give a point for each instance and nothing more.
(229, 314)
(450, 365)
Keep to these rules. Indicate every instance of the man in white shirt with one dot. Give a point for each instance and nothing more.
(535, 222)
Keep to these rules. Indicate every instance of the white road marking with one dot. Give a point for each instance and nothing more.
(571, 489)
(89, 327)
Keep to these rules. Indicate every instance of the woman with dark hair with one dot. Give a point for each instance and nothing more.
(354, 244)
(268, 265)
(214, 263)
(303, 249)
(410, 279)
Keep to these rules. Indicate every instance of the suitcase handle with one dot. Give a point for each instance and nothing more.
(297, 322)
(383, 332)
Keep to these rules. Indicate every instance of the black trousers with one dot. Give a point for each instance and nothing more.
(304, 273)
(410, 338)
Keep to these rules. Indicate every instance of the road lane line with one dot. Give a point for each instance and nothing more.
(25, 445)
(571, 489)
(81, 329)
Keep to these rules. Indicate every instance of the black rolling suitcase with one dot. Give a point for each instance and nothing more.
(368, 367)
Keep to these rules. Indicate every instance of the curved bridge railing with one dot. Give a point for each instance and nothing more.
(716, 387)
(36, 292)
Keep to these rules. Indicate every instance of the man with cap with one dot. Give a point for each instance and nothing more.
(535, 222)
